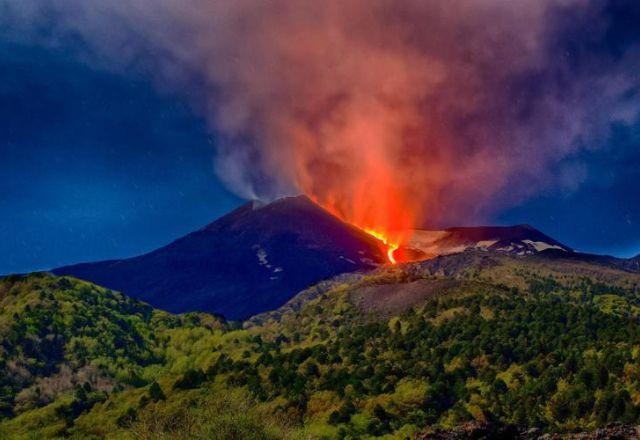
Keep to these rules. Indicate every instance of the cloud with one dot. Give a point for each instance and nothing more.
(389, 113)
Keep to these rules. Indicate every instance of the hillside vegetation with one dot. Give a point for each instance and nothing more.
(533, 342)
(66, 344)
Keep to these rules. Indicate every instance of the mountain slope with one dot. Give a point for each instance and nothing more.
(516, 240)
(482, 337)
(58, 334)
(404, 286)
(67, 346)
(251, 260)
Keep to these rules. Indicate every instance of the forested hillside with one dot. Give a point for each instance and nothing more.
(529, 342)
(72, 344)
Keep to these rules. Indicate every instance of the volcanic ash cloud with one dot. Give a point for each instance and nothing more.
(388, 113)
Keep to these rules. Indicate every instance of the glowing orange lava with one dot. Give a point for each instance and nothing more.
(391, 247)
(390, 240)
(355, 167)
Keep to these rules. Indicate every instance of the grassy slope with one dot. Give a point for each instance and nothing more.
(527, 341)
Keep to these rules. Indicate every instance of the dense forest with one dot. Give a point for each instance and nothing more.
(390, 354)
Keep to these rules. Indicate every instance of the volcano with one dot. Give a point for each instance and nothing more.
(248, 261)
(259, 256)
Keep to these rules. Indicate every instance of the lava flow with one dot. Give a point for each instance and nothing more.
(391, 247)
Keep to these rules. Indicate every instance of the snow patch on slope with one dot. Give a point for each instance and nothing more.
(540, 246)
(263, 261)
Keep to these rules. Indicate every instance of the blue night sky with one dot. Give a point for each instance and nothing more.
(97, 165)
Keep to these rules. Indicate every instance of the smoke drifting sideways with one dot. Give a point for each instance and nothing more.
(390, 114)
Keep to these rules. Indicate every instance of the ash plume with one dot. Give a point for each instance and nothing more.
(389, 113)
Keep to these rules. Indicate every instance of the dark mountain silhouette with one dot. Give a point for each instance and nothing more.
(502, 233)
(511, 239)
(632, 264)
(515, 240)
(627, 264)
(251, 260)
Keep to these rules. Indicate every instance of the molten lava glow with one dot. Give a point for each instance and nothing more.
(388, 227)
(358, 166)
(391, 247)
